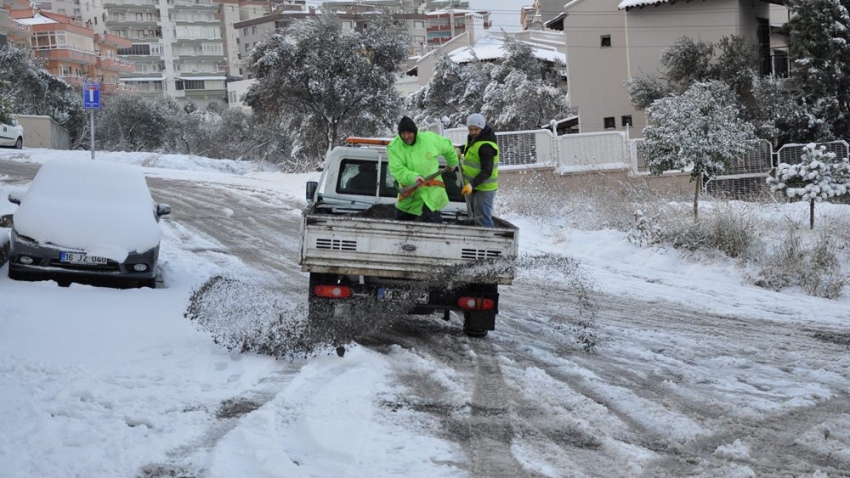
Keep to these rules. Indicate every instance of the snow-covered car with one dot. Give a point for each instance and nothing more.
(85, 220)
(12, 133)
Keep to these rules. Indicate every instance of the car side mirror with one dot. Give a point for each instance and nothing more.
(15, 198)
(163, 209)
(311, 190)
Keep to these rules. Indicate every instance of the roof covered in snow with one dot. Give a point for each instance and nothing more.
(491, 48)
(37, 19)
(626, 4)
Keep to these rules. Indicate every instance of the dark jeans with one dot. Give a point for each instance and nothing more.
(427, 215)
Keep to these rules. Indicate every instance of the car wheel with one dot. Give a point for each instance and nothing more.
(19, 143)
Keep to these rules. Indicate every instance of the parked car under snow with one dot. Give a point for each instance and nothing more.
(86, 221)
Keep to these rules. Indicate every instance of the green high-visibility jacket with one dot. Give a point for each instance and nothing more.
(421, 159)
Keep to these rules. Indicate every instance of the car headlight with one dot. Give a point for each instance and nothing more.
(140, 267)
(26, 260)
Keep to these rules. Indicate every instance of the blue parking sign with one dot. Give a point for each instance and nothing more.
(91, 96)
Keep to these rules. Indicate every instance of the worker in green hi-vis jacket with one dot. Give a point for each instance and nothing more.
(413, 156)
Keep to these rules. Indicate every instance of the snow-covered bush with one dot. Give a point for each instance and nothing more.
(727, 229)
(815, 267)
(818, 176)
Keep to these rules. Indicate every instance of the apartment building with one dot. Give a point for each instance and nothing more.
(73, 52)
(5, 26)
(176, 46)
(445, 24)
(251, 32)
(70, 8)
(609, 41)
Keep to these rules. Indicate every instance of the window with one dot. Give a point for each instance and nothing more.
(626, 120)
(253, 30)
(605, 41)
(66, 70)
(139, 17)
(349, 170)
(609, 122)
(138, 49)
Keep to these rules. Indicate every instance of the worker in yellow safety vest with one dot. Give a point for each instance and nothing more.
(480, 169)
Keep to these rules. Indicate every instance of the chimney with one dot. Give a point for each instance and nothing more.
(474, 27)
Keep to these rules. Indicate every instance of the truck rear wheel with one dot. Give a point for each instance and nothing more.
(477, 324)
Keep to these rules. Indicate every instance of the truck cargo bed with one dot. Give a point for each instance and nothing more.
(354, 244)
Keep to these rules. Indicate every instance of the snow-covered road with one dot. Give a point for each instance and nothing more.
(626, 364)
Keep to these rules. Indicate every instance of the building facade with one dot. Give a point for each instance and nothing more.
(177, 46)
(73, 52)
(609, 41)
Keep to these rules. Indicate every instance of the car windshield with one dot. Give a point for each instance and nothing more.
(88, 204)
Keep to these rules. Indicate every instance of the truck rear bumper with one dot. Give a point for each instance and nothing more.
(413, 296)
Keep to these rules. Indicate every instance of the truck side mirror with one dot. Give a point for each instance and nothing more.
(163, 209)
(15, 198)
(311, 190)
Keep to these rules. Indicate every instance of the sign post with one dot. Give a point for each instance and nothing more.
(91, 102)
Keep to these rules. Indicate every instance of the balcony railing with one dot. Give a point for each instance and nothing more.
(67, 55)
(114, 64)
(130, 3)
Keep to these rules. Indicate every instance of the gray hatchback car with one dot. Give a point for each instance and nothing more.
(89, 221)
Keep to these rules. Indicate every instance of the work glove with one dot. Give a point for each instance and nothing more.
(467, 190)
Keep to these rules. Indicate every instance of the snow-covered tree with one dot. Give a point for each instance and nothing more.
(517, 91)
(520, 103)
(818, 176)
(453, 91)
(135, 123)
(645, 89)
(819, 47)
(326, 83)
(33, 90)
(777, 114)
(700, 130)
(687, 62)
(737, 64)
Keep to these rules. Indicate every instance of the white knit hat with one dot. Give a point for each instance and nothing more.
(477, 120)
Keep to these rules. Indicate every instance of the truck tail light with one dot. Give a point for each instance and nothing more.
(475, 303)
(332, 291)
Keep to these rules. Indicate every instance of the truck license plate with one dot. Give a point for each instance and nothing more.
(420, 297)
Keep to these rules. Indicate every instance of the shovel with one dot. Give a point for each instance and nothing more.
(405, 192)
(469, 213)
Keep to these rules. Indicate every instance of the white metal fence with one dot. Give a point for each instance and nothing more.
(792, 153)
(612, 151)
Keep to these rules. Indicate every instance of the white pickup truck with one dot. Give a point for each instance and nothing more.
(359, 256)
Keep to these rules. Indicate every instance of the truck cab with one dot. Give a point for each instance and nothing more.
(340, 185)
